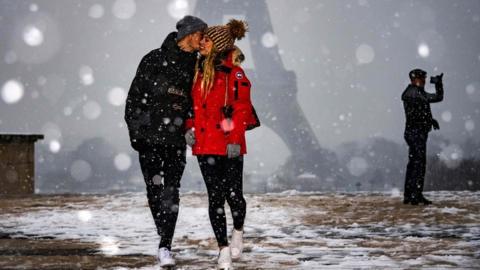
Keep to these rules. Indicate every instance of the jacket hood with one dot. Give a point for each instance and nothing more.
(226, 63)
(170, 42)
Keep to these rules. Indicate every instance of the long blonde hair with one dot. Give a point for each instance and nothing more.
(208, 67)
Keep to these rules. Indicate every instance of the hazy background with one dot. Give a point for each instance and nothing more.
(66, 67)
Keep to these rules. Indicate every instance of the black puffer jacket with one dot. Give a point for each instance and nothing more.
(416, 102)
(159, 98)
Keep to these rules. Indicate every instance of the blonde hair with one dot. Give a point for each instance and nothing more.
(208, 67)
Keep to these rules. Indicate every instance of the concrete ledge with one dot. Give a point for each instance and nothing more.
(19, 138)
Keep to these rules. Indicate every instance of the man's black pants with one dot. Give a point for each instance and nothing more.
(417, 161)
(162, 170)
(223, 177)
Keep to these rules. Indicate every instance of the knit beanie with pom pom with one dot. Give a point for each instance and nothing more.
(224, 36)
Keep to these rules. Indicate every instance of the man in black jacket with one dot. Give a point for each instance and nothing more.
(157, 105)
(419, 122)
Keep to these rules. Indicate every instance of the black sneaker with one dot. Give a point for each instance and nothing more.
(414, 202)
(411, 200)
(425, 201)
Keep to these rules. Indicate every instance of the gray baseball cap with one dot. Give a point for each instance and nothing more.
(188, 25)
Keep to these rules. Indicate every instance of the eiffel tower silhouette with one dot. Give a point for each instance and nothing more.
(274, 89)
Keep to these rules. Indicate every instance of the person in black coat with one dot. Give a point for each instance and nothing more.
(157, 106)
(419, 122)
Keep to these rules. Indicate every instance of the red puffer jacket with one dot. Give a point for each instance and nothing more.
(213, 131)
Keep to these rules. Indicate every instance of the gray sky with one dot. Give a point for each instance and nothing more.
(75, 60)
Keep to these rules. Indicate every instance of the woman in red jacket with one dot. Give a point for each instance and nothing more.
(222, 110)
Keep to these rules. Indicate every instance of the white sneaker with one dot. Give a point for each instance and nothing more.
(165, 257)
(237, 244)
(225, 259)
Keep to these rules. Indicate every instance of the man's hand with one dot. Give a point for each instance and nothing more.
(233, 150)
(190, 137)
(435, 124)
(440, 77)
(437, 80)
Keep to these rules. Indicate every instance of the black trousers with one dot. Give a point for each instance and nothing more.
(224, 180)
(162, 170)
(417, 162)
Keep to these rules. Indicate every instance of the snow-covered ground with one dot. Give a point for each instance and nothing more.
(290, 230)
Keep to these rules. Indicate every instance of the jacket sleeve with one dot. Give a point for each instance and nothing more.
(438, 96)
(137, 115)
(242, 105)
(149, 83)
(414, 96)
(190, 113)
(137, 109)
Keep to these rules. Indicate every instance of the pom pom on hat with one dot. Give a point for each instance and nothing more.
(237, 28)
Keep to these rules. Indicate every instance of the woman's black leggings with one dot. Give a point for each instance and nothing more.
(223, 177)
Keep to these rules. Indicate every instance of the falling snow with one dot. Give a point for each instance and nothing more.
(177, 8)
(32, 36)
(117, 96)
(54, 146)
(12, 91)
(122, 162)
(80, 170)
(451, 155)
(124, 9)
(92, 110)
(33, 7)
(357, 166)
(86, 75)
(365, 54)
(447, 116)
(96, 11)
(423, 50)
(469, 125)
(269, 40)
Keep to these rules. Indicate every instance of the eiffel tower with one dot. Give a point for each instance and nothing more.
(274, 89)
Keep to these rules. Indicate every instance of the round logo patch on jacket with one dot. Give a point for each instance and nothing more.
(239, 75)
